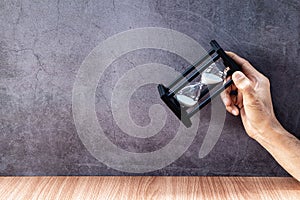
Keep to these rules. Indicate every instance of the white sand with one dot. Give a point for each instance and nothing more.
(208, 78)
(186, 101)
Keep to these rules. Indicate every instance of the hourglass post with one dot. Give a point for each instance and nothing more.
(191, 68)
(170, 95)
(195, 74)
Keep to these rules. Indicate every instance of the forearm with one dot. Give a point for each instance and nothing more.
(284, 147)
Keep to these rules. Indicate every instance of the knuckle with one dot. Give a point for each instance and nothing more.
(263, 82)
(246, 64)
(247, 88)
(267, 81)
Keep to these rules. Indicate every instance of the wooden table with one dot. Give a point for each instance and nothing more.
(66, 187)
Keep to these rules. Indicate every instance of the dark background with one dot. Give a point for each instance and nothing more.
(43, 43)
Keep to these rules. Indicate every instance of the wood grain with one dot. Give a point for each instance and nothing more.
(136, 187)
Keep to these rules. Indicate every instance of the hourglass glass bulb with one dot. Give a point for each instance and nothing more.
(209, 78)
(212, 75)
(189, 95)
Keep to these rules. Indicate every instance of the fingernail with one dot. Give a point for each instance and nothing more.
(237, 75)
(235, 112)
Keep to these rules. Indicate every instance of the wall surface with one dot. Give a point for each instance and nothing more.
(44, 43)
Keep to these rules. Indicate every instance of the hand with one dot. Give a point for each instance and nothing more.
(253, 99)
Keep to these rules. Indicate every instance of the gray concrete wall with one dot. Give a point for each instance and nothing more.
(43, 44)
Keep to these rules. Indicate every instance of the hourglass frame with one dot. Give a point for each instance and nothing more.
(167, 93)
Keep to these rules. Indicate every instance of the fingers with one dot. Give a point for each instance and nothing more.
(241, 81)
(229, 102)
(244, 86)
(226, 97)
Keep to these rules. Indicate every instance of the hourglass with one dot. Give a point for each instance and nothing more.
(185, 98)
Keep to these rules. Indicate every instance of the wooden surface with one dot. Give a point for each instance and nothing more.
(148, 188)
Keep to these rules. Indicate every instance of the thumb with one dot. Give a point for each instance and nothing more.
(241, 82)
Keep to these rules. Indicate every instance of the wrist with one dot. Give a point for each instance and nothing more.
(273, 130)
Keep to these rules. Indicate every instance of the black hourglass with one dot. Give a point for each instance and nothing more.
(184, 98)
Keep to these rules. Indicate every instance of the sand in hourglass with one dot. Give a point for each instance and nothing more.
(191, 99)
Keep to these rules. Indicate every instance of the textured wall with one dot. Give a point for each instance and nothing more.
(43, 43)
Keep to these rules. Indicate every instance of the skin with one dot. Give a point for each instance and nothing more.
(253, 103)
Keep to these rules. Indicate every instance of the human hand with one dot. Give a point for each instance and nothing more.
(253, 100)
